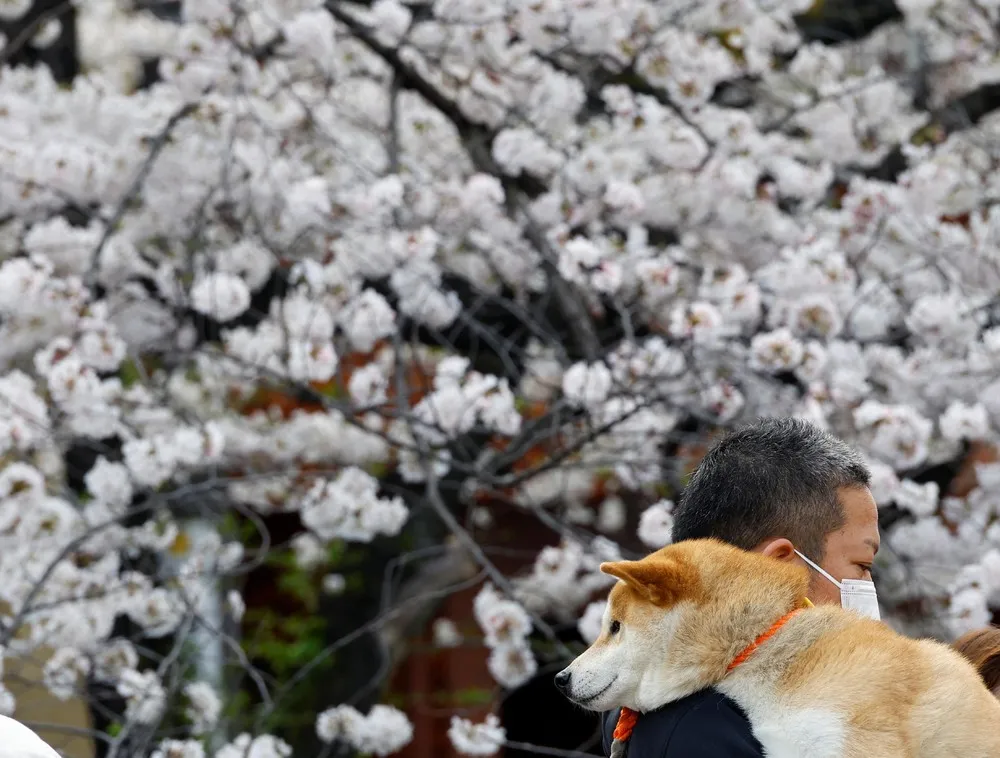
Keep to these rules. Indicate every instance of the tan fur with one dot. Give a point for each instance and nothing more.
(829, 684)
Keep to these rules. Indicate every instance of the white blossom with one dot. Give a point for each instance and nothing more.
(512, 665)
(144, 695)
(7, 702)
(504, 622)
(587, 385)
(392, 19)
(261, 746)
(383, 731)
(204, 706)
(109, 483)
(334, 584)
(591, 621)
(312, 34)
(349, 507)
(309, 551)
(656, 524)
(114, 658)
(964, 422)
(369, 385)
(446, 633)
(64, 672)
(473, 739)
(12, 10)
(920, 499)
(776, 351)
(611, 516)
(700, 322)
(179, 749)
(221, 296)
(343, 722)
(235, 605)
(367, 319)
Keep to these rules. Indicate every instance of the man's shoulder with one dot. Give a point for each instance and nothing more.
(703, 704)
(707, 704)
(706, 716)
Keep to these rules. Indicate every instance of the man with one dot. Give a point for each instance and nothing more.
(784, 488)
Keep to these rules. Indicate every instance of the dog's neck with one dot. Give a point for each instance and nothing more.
(700, 656)
(740, 624)
(726, 630)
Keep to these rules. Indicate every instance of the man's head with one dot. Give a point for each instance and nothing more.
(779, 485)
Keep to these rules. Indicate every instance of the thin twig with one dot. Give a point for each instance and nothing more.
(157, 144)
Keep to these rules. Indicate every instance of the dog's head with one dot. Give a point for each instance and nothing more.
(674, 621)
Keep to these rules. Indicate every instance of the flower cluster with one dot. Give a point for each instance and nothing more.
(349, 508)
(245, 746)
(459, 401)
(506, 626)
(591, 621)
(656, 524)
(204, 706)
(477, 739)
(179, 749)
(383, 731)
(565, 577)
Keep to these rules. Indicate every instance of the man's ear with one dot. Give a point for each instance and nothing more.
(658, 580)
(780, 548)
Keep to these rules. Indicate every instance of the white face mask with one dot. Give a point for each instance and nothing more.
(857, 595)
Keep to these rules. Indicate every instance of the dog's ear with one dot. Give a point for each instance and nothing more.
(659, 580)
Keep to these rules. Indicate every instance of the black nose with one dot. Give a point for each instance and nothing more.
(562, 681)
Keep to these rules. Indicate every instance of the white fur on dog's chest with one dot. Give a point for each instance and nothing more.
(790, 732)
(803, 733)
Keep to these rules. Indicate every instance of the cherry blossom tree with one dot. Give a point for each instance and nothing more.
(360, 264)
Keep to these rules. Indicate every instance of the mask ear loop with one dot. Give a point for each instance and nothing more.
(819, 569)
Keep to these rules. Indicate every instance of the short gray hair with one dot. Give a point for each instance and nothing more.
(775, 477)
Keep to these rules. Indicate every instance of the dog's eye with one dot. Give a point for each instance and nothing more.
(615, 627)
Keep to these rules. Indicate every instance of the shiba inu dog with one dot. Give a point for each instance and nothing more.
(815, 682)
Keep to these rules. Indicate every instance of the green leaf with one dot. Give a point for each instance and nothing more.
(300, 585)
(336, 551)
(664, 490)
(472, 697)
(129, 373)
(377, 469)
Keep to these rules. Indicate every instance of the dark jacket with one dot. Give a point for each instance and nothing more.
(706, 724)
